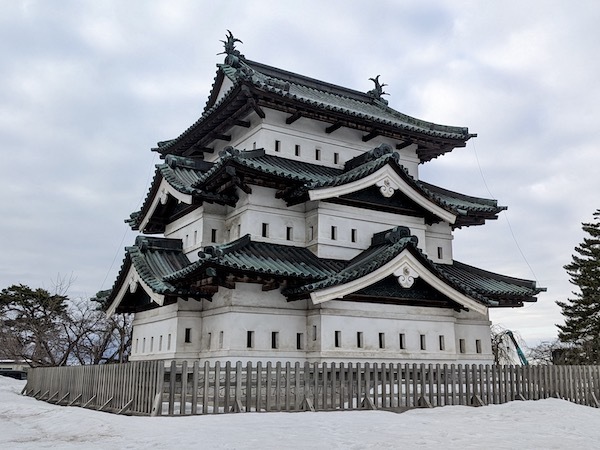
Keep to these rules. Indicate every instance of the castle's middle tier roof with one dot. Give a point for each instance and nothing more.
(183, 181)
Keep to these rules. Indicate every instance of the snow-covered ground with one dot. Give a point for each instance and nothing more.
(26, 423)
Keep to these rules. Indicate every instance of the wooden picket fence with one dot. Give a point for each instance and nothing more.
(153, 388)
(119, 388)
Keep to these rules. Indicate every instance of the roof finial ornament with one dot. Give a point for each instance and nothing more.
(233, 55)
(378, 91)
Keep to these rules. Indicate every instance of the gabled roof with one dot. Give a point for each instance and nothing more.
(184, 181)
(164, 270)
(173, 184)
(255, 85)
(146, 263)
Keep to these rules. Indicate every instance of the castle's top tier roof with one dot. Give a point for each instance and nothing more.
(255, 86)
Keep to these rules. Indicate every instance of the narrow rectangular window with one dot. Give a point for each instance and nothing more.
(144, 345)
(250, 339)
(160, 339)
(137, 345)
(442, 342)
(289, 233)
(311, 233)
(478, 345)
(239, 230)
(277, 145)
(338, 339)
(402, 341)
(265, 230)
(187, 238)
(299, 341)
(353, 234)
(274, 339)
(188, 335)
(152, 344)
(195, 237)
(213, 235)
(359, 339)
(423, 342)
(209, 341)
(314, 329)
(297, 150)
(333, 232)
(336, 158)
(220, 339)
(440, 253)
(461, 345)
(169, 342)
(381, 340)
(254, 146)
(318, 154)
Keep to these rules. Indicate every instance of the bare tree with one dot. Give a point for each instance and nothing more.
(51, 329)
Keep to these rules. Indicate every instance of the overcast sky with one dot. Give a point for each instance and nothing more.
(88, 87)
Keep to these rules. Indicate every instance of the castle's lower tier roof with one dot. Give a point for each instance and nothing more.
(164, 273)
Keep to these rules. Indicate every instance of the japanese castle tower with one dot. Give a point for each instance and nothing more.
(288, 223)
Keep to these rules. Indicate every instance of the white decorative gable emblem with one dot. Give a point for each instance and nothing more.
(406, 275)
(387, 186)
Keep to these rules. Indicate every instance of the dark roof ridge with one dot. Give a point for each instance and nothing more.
(152, 243)
(531, 284)
(433, 189)
(370, 155)
(304, 80)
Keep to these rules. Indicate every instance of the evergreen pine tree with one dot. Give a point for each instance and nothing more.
(581, 329)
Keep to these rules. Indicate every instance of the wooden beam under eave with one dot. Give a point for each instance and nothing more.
(332, 128)
(290, 120)
(222, 137)
(257, 109)
(404, 144)
(371, 135)
(242, 123)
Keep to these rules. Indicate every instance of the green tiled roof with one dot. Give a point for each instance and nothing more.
(257, 257)
(182, 174)
(153, 258)
(255, 80)
(163, 266)
(193, 178)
